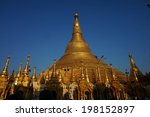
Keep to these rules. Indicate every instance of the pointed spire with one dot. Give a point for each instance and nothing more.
(18, 77)
(133, 69)
(34, 74)
(77, 48)
(76, 28)
(77, 43)
(19, 71)
(32, 79)
(9, 88)
(132, 63)
(26, 69)
(5, 69)
(25, 81)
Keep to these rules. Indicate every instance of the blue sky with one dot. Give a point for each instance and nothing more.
(43, 28)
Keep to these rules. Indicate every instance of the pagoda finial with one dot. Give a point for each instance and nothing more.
(76, 28)
(18, 78)
(5, 70)
(26, 69)
(19, 71)
(34, 74)
(133, 69)
(76, 14)
(25, 73)
(77, 43)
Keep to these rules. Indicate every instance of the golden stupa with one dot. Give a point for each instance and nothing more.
(79, 68)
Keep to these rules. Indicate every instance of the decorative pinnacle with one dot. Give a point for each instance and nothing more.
(26, 69)
(76, 15)
(8, 59)
(5, 70)
(28, 58)
(133, 69)
(77, 43)
(19, 70)
(76, 28)
(131, 61)
(34, 74)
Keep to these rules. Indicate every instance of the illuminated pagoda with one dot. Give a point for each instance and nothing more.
(77, 75)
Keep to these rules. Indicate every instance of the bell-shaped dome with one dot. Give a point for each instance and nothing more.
(77, 43)
(77, 50)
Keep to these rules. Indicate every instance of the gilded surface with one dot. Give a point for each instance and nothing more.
(77, 75)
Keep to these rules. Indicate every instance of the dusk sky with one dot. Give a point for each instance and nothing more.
(43, 28)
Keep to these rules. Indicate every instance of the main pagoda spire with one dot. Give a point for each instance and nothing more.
(77, 43)
(77, 49)
(76, 28)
